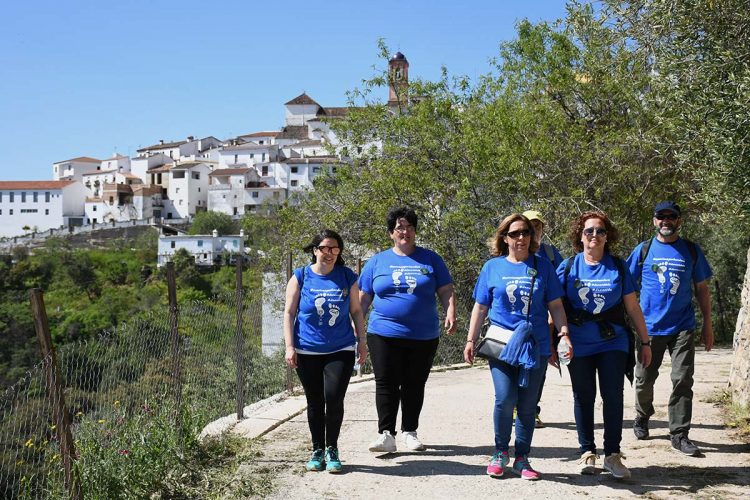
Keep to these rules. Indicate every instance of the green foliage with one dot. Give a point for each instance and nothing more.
(206, 222)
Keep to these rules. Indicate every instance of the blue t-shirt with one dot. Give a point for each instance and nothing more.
(596, 288)
(557, 258)
(504, 287)
(403, 289)
(322, 324)
(667, 277)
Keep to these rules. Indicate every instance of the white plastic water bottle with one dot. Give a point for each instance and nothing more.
(562, 350)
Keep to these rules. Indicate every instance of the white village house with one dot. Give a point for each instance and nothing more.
(207, 250)
(27, 206)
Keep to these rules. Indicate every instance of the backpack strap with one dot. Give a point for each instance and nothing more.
(645, 247)
(548, 251)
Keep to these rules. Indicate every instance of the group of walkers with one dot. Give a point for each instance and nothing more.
(528, 296)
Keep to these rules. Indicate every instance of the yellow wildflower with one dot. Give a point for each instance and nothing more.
(29, 443)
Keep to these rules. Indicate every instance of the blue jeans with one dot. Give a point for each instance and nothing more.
(509, 395)
(583, 370)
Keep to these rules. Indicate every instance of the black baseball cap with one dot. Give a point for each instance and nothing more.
(667, 206)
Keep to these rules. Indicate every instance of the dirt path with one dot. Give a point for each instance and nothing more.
(456, 426)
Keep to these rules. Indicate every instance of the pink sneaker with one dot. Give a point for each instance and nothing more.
(497, 463)
(522, 467)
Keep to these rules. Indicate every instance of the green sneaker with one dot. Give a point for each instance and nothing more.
(333, 464)
(316, 462)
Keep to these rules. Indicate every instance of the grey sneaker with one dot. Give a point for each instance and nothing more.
(412, 442)
(640, 427)
(613, 464)
(681, 443)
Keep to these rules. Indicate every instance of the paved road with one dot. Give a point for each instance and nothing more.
(456, 426)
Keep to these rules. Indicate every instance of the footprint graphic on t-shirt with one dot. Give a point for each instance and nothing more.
(661, 269)
(333, 310)
(412, 282)
(319, 301)
(599, 301)
(510, 289)
(396, 277)
(675, 280)
(582, 292)
(525, 299)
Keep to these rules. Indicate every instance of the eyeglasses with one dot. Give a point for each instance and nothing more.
(331, 250)
(667, 217)
(521, 233)
(591, 231)
(403, 229)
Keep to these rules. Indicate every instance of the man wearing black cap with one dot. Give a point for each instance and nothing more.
(667, 267)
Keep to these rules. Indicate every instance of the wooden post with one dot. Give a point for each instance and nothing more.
(175, 339)
(239, 343)
(289, 372)
(55, 389)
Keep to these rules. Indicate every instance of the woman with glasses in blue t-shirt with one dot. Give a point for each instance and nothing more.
(402, 284)
(515, 287)
(322, 300)
(599, 291)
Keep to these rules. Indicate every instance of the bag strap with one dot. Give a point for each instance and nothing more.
(531, 291)
(550, 254)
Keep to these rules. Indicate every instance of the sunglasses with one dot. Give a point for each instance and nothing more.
(522, 233)
(331, 250)
(403, 229)
(599, 231)
(667, 217)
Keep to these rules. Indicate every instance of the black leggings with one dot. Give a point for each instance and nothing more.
(401, 369)
(325, 378)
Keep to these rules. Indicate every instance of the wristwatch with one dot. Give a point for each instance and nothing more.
(648, 343)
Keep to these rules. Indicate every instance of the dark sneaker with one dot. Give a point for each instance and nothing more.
(640, 427)
(681, 443)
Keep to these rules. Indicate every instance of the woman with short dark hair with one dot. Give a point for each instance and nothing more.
(402, 284)
(322, 300)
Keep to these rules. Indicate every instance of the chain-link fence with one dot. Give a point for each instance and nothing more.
(139, 393)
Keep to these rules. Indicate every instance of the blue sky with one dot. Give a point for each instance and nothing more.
(90, 78)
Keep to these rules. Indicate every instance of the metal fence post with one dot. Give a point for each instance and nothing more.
(239, 340)
(54, 386)
(289, 372)
(175, 337)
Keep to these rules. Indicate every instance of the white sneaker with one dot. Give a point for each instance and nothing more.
(385, 443)
(412, 442)
(588, 463)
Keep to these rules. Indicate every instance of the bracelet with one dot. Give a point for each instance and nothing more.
(469, 341)
(646, 344)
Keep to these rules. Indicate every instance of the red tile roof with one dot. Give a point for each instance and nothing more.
(81, 159)
(229, 171)
(12, 185)
(261, 134)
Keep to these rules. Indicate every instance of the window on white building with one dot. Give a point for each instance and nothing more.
(180, 202)
(235, 158)
(10, 212)
(46, 211)
(316, 170)
(263, 157)
(295, 183)
(171, 244)
(36, 197)
(23, 196)
(196, 175)
(10, 195)
(1, 196)
(264, 170)
(200, 243)
(295, 170)
(29, 210)
(255, 194)
(176, 190)
(94, 208)
(1, 211)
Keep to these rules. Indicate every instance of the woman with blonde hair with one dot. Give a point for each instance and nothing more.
(516, 290)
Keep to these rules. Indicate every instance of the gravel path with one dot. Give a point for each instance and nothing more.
(456, 426)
